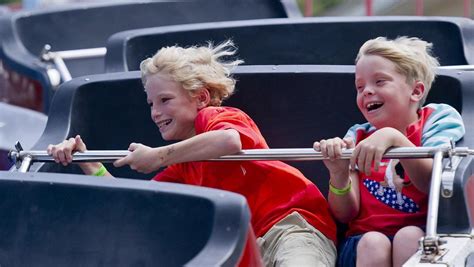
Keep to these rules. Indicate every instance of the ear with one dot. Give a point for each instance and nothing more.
(418, 91)
(203, 98)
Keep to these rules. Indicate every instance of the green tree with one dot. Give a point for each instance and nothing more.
(9, 1)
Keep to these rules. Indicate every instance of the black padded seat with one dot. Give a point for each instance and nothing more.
(18, 123)
(313, 41)
(51, 219)
(82, 26)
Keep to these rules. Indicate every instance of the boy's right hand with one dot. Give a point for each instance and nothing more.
(62, 152)
(332, 149)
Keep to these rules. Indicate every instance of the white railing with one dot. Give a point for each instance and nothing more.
(58, 57)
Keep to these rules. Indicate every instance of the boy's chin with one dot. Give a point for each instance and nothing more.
(169, 138)
(374, 123)
(166, 137)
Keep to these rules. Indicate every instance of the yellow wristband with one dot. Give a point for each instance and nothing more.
(342, 191)
(101, 172)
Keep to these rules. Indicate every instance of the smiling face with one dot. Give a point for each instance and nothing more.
(384, 96)
(172, 108)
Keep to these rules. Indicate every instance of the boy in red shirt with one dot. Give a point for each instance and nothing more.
(385, 201)
(185, 88)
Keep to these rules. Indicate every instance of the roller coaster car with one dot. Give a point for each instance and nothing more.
(290, 105)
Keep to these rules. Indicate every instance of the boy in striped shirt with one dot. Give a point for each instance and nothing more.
(385, 202)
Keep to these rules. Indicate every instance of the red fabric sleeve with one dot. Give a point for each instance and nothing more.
(222, 118)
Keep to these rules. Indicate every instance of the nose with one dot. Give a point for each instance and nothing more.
(155, 114)
(368, 90)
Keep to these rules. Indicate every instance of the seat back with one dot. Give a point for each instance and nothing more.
(292, 105)
(323, 41)
(25, 33)
(18, 124)
(53, 219)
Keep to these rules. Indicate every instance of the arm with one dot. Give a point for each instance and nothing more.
(344, 206)
(372, 149)
(204, 146)
(441, 126)
(62, 153)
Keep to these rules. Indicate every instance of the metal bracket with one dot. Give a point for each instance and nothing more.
(48, 56)
(45, 53)
(432, 251)
(22, 163)
(14, 154)
(447, 177)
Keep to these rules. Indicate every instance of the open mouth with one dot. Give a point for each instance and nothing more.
(163, 123)
(373, 106)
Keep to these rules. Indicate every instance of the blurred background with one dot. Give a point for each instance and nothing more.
(460, 8)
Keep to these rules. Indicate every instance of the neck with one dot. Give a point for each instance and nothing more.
(410, 119)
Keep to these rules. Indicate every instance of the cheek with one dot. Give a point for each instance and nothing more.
(191, 116)
(359, 102)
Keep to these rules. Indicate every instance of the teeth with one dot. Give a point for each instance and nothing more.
(371, 105)
(164, 123)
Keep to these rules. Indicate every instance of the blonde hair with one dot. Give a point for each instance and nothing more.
(411, 56)
(196, 67)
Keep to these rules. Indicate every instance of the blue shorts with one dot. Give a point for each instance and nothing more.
(348, 251)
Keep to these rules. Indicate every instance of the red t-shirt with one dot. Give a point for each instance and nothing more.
(273, 189)
(387, 208)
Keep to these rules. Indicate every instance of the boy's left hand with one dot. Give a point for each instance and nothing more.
(142, 158)
(373, 148)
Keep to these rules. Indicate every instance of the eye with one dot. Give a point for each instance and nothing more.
(165, 99)
(380, 81)
(150, 104)
(359, 88)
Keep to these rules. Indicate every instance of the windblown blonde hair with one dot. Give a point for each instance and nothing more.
(412, 57)
(195, 68)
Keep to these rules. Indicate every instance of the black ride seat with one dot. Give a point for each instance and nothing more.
(293, 106)
(313, 41)
(51, 219)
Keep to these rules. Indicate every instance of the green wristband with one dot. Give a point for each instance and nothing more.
(101, 172)
(342, 191)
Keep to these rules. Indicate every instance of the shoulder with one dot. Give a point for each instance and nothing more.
(215, 118)
(437, 109)
(209, 112)
(441, 123)
(359, 130)
(436, 114)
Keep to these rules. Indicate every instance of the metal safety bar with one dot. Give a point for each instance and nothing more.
(285, 154)
(457, 67)
(58, 58)
(430, 243)
(435, 188)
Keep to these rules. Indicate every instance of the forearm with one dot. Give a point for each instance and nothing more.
(208, 145)
(91, 168)
(419, 171)
(344, 206)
